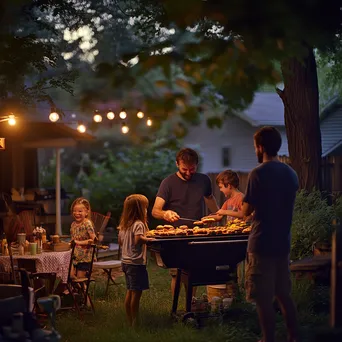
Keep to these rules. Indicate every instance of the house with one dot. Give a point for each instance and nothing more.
(231, 146)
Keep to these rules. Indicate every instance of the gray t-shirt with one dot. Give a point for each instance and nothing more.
(186, 198)
(131, 253)
(271, 190)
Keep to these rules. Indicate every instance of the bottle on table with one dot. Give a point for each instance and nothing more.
(3, 244)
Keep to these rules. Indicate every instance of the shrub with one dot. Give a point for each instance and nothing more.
(338, 207)
(312, 223)
(130, 171)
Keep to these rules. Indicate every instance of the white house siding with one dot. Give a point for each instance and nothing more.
(331, 130)
(331, 133)
(235, 133)
(238, 135)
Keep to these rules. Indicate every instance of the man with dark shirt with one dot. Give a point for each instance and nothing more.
(270, 193)
(183, 194)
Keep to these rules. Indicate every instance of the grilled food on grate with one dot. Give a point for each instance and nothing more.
(233, 227)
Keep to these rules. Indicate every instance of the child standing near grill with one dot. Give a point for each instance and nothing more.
(228, 183)
(133, 228)
(83, 234)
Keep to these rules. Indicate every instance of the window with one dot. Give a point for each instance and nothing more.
(225, 156)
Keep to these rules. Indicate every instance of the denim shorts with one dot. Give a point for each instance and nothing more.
(83, 266)
(136, 277)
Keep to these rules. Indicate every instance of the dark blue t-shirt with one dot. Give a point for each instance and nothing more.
(186, 198)
(271, 190)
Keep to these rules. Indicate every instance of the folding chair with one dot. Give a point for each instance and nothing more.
(107, 267)
(43, 284)
(100, 222)
(79, 287)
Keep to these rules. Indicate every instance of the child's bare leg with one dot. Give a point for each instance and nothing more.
(73, 271)
(135, 301)
(81, 274)
(128, 301)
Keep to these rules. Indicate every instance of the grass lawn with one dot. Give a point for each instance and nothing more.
(241, 325)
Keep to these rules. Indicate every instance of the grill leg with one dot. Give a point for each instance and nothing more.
(188, 286)
(177, 290)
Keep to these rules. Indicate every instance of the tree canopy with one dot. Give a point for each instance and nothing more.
(233, 47)
(31, 46)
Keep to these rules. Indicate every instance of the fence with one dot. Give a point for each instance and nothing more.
(331, 177)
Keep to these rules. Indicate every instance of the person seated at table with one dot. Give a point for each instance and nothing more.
(83, 234)
(228, 182)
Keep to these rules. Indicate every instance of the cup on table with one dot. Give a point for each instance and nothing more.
(21, 238)
(55, 238)
(33, 248)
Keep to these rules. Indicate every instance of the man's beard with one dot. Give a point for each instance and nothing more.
(260, 157)
(185, 176)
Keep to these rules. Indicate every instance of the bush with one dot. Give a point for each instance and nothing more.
(312, 223)
(130, 171)
(338, 207)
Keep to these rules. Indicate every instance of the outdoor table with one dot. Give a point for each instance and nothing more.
(46, 262)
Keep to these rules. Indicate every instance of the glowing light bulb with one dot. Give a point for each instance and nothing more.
(54, 116)
(81, 128)
(11, 120)
(140, 114)
(149, 122)
(110, 115)
(123, 115)
(124, 129)
(97, 118)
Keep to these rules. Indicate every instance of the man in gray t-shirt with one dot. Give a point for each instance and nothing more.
(183, 194)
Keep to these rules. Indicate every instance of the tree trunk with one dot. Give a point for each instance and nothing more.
(301, 102)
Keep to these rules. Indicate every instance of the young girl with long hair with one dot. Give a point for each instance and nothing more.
(83, 234)
(133, 228)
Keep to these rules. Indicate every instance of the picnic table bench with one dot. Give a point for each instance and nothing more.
(317, 266)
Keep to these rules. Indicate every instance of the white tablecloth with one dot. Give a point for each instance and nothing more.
(46, 262)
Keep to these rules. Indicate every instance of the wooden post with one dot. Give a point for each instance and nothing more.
(58, 192)
(336, 276)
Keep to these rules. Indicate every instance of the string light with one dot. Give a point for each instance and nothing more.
(11, 120)
(97, 117)
(140, 114)
(123, 115)
(124, 128)
(54, 116)
(110, 115)
(81, 128)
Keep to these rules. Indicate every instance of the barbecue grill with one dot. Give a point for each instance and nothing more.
(200, 260)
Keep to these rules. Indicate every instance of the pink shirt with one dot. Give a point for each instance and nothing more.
(233, 203)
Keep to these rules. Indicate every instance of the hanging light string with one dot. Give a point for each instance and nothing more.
(56, 115)
(97, 117)
(11, 119)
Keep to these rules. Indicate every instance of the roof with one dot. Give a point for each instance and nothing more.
(43, 134)
(267, 109)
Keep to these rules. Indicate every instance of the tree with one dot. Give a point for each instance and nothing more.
(330, 73)
(31, 44)
(238, 45)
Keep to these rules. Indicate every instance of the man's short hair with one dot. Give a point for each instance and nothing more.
(228, 177)
(269, 139)
(187, 156)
